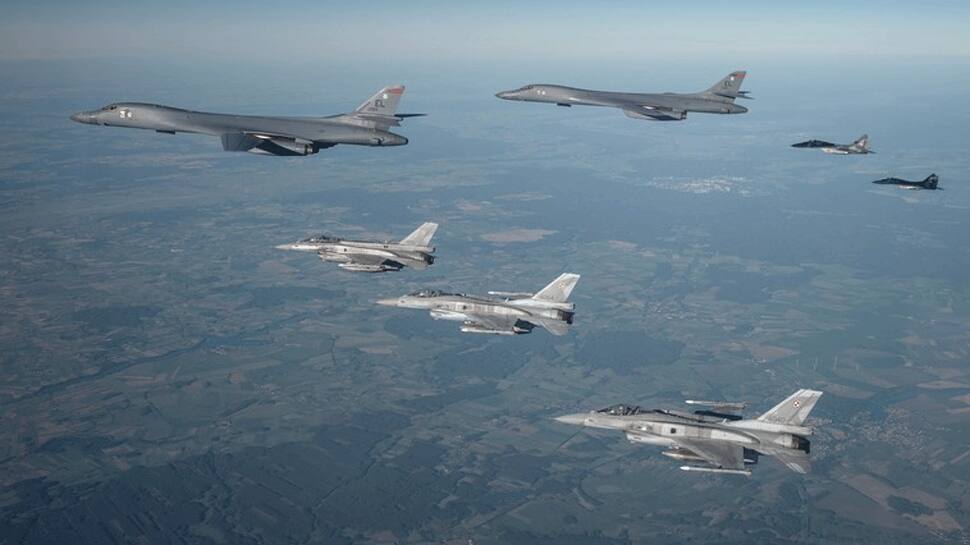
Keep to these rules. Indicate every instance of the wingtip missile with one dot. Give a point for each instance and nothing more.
(724, 405)
(745, 472)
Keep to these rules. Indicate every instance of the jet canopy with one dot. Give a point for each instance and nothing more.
(426, 293)
(321, 238)
(621, 410)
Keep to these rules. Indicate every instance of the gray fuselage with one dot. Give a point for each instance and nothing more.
(568, 96)
(316, 131)
(523, 314)
(394, 255)
(674, 429)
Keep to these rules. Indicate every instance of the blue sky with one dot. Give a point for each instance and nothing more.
(492, 31)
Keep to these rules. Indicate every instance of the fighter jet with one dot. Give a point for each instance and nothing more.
(413, 251)
(281, 136)
(502, 313)
(930, 182)
(719, 99)
(859, 147)
(715, 440)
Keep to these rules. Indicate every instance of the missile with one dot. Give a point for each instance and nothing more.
(745, 472)
(726, 405)
(486, 331)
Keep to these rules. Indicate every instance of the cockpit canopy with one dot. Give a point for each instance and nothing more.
(321, 238)
(621, 410)
(109, 108)
(426, 293)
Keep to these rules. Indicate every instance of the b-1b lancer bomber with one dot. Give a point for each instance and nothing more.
(859, 147)
(282, 136)
(716, 439)
(413, 251)
(930, 182)
(719, 99)
(501, 313)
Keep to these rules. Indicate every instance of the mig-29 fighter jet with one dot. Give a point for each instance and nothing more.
(859, 147)
(413, 251)
(719, 99)
(715, 440)
(501, 313)
(930, 182)
(266, 135)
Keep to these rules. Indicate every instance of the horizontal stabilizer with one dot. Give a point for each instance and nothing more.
(795, 460)
(556, 327)
(738, 94)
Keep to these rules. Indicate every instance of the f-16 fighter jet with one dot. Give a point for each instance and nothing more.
(859, 147)
(930, 182)
(283, 136)
(715, 440)
(413, 251)
(502, 313)
(719, 99)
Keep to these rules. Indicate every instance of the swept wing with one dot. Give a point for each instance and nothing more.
(719, 454)
(494, 323)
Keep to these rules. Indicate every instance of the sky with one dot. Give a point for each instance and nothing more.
(456, 32)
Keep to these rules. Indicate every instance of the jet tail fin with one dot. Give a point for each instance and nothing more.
(862, 143)
(794, 409)
(729, 88)
(931, 181)
(384, 102)
(558, 290)
(422, 235)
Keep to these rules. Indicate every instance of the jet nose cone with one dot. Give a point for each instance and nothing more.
(577, 419)
(285, 247)
(387, 302)
(393, 140)
(83, 117)
(503, 94)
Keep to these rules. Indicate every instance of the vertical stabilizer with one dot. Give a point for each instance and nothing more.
(558, 290)
(383, 103)
(793, 410)
(421, 236)
(729, 88)
(862, 143)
